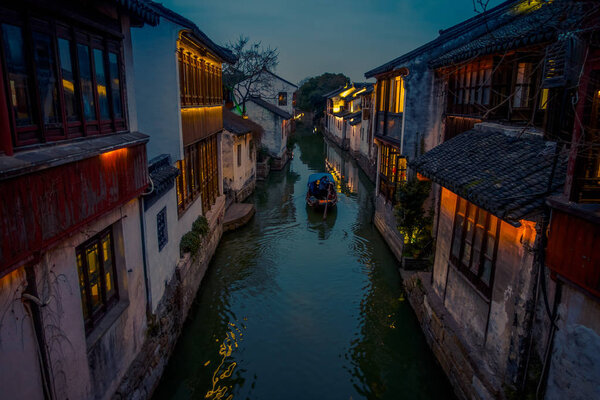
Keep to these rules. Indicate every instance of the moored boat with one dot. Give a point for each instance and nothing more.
(321, 190)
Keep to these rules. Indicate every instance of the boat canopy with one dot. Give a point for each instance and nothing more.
(315, 177)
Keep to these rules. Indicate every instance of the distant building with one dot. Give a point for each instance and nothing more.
(240, 139)
(348, 122)
(72, 169)
(277, 125)
(273, 89)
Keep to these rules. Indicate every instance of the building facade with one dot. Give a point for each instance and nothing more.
(489, 309)
(240, 138)
(277, 127)
(73, 168)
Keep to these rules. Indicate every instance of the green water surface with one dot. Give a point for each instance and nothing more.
(294, 307)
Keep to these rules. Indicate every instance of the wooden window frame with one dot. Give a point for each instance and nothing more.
(199, 175)
(475, 277)
(38, 132)
(200, 80)
(94, 318)
(391, 174)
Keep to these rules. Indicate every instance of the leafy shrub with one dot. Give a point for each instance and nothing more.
(200, 226)
(190, 243)
(414, 223)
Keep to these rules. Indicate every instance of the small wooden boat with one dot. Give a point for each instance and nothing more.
(321, 191)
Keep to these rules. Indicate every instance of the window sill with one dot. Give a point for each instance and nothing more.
(105, 324)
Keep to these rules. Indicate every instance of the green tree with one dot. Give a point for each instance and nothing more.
(311, 92)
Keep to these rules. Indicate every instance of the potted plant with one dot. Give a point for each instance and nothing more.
(415, 224)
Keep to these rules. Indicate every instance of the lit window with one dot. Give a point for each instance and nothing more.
(474, 244)
(282, 98)
(97, 277)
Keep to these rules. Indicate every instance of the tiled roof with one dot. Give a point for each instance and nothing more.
(537, 26)
(163, 175)
(239, 125)
(271, 107)
(140, 9)
(335, 92)
(505, 174)
(281, 79)
(220, 51)
(484, 18)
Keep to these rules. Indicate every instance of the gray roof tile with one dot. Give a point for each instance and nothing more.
(506, 174)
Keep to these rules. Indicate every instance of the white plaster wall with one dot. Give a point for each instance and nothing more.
(247, 169)
(83, 367)
(161, 264)
(20, 376)
(575, 367)
(270, 92)
(273, 138)
(236, 176)
(157, 87)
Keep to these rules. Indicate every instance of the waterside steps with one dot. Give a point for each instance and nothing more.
(238, 215)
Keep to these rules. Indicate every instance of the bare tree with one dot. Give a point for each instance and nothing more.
(249, 76)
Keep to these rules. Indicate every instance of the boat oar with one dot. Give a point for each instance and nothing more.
(326, 201)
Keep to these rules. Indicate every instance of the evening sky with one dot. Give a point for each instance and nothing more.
(317, 36)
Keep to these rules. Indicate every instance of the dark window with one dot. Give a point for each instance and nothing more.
(474, 244)
(61, 81)
(101, 88)
(392, 172)
(250, 149)
(161, 228)
(199, 175)
(97, 277)
(19, 81)
(282, 98)
(85, 74)
(239, 155)
(470, 88)
(68, 80)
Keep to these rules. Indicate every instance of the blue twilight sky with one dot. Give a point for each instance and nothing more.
(317, 36)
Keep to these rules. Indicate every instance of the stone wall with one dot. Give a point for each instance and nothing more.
(459, 358)
(165, 325)
(385, 222)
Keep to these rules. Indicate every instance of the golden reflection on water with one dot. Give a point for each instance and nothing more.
(219, 390)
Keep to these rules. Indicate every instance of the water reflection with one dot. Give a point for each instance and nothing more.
(297, 307)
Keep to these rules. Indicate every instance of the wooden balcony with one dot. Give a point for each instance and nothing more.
(43, 206)
(200, 122)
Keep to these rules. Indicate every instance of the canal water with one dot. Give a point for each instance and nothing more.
(297, 307)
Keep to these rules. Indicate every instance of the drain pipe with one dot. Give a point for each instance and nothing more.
(144, 258)
(32, 305)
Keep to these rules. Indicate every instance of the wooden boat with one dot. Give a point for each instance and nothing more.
(321, 191)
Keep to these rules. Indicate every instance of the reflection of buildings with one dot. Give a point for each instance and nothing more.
(342, 168)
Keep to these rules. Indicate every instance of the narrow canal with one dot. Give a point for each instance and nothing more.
(294, 307)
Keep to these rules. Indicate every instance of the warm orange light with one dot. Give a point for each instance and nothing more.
(347, 92)
(527, 233)
(359, 92)
(111, 155)
(68, 85)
